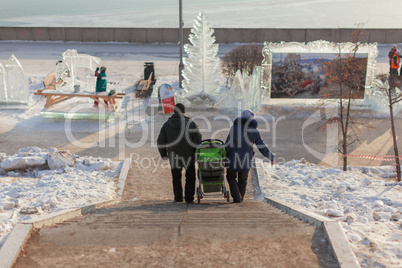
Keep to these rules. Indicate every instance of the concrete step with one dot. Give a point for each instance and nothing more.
(155, 231)
(163, 233)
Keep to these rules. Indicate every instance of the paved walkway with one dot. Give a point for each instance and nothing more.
(148, 229)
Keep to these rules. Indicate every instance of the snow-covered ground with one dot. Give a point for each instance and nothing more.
(368, 206)
(366, 200)
(36, 182)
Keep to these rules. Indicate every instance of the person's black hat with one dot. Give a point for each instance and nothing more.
(179, 108)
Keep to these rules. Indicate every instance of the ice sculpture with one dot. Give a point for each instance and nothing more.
(14, 88)
(242, 96)
(77, 69)
(319, 47)
(3, 91)
(255, 95)
(379, 97)
(235, 97)
(201, 73)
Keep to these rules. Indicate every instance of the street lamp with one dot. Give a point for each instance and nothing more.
(181, 65)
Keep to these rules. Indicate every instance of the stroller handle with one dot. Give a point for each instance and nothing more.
(212, 140)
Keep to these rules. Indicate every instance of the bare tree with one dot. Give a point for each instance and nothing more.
(345, 77)
(244, 58)
(393, 98)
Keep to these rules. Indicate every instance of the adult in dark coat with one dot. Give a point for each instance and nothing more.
(177, 141)
(239, 153)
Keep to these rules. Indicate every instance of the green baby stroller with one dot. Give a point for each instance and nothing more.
(210, 155)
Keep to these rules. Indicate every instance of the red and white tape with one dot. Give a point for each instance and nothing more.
(374, 157)
(388, 158)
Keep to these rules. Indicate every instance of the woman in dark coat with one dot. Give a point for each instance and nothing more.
(239, 153)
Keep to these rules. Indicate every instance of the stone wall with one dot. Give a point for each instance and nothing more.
(171, 35)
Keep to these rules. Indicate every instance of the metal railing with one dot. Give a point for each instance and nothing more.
(139, 111)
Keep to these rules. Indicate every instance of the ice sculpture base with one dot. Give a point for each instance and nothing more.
(77, 116)
(201, 99)
(78, 109)
(12, 106)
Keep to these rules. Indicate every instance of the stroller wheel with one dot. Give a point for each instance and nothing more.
(227, 196)
(198, 195)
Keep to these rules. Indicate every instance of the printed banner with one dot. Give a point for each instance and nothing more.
(168, 105)
(166, 91)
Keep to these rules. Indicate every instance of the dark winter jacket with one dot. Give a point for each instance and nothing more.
(239, 145)
(391, 54)
(178, 139)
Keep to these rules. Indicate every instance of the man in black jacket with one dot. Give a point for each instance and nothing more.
(178, 140)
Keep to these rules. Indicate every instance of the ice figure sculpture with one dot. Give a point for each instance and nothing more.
(77, 69)
(240, 96)
(14, 88)
(201, 73)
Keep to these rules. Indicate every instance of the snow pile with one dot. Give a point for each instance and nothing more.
(366, 200)
(36, 182)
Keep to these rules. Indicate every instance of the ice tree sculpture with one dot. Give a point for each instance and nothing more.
(14, 88)
(201, 73)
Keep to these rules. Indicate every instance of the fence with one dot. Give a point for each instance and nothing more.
(138, 111)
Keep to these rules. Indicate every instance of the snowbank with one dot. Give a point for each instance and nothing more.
(36, 182)
(366, 200)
